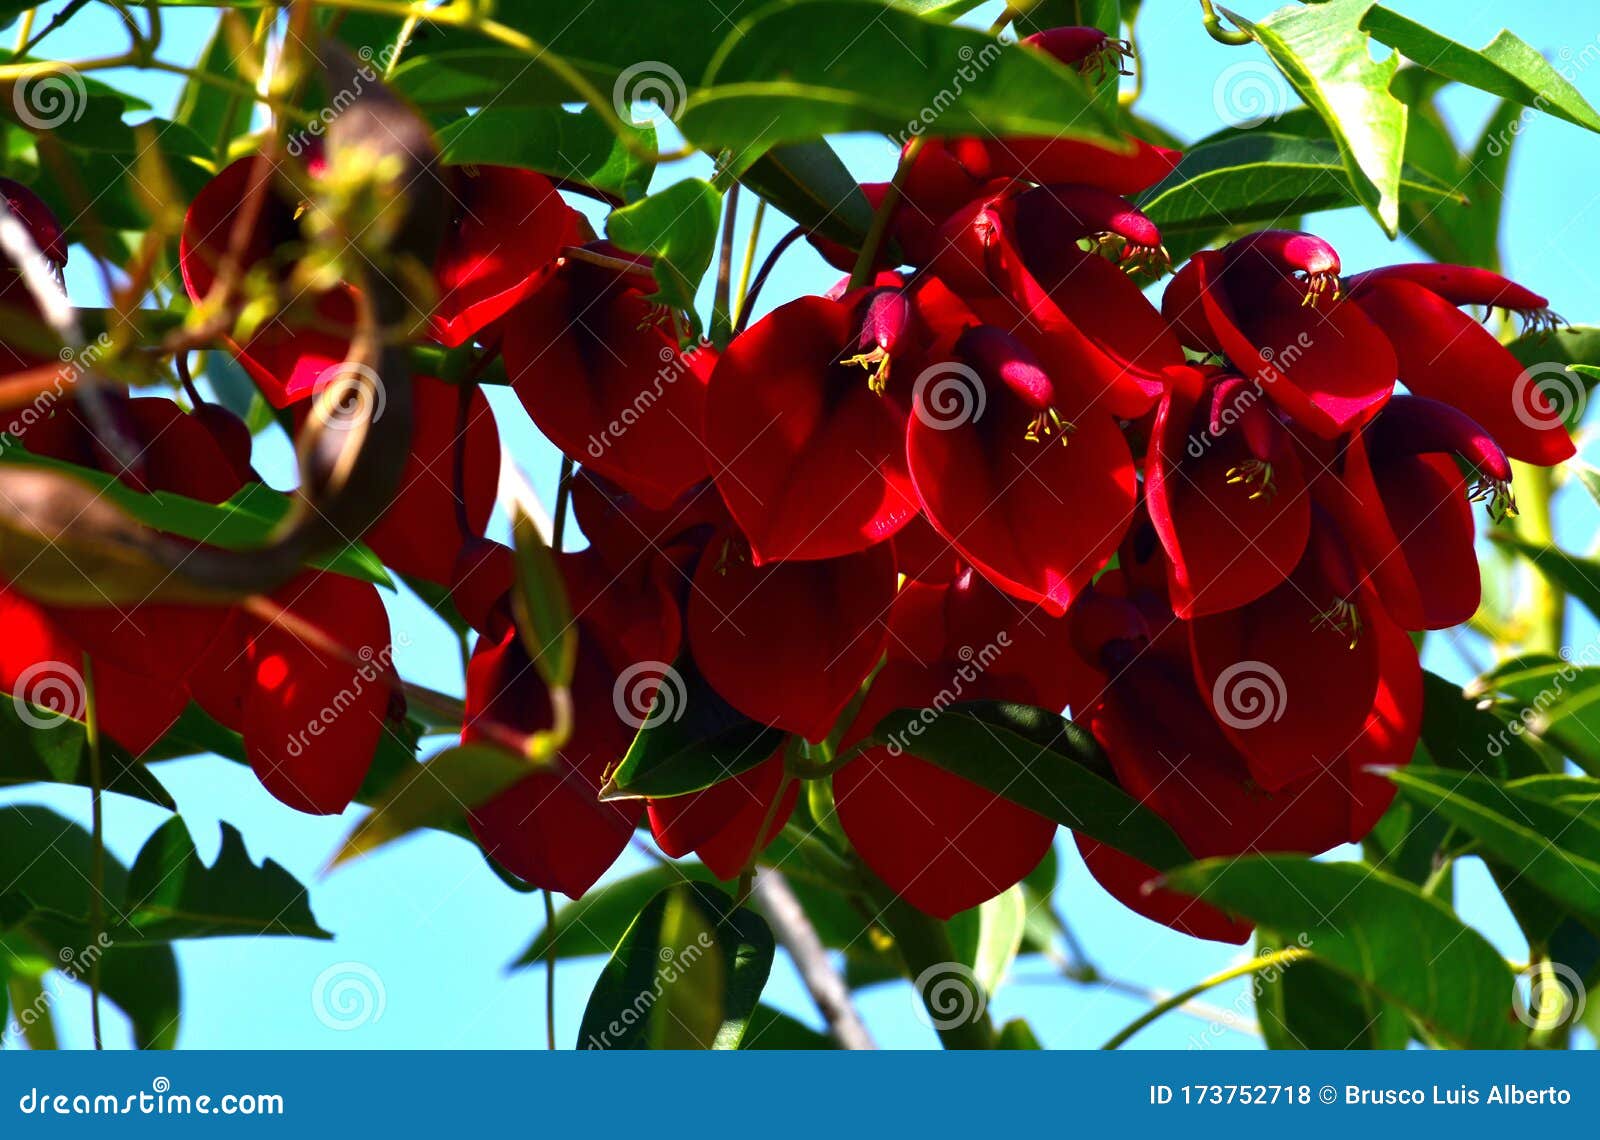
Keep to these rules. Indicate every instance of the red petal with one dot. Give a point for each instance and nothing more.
(809, 460)
(789, 643)
(1130, 882)
(720, 824)
(1052, 160)
(1447, 356)
(1392, 730)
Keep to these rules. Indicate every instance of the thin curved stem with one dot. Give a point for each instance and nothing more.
(97, 865)
(862, 273)
(762, 274)
(549, 975)
(1233, 37)
(1264, 962)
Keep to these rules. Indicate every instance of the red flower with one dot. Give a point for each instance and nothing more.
(1226, 492)
(1028, 482)
(807, 453)
(24, 341)
(597, 366)
(1445, 355)
(789, 643)
(722, 823)
(1269, 303)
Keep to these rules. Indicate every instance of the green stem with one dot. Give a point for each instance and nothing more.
(97, 864)
(749, 257)
(1264, 962)
(932, 965)
(721, 307)
(1548, 611)
(862, 273)
(1233, 37)
(558, 524)
(550, 975)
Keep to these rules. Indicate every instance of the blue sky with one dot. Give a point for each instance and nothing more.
(438, 929)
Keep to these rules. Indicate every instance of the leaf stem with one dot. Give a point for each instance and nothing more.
(549, 975)
(721, 309)
(97, 864)
(1233, 37)
(1264, 962)
(749, 257)
(862, 273)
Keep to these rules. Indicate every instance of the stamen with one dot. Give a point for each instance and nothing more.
(1106, 59)
(1495, 492)
(1541, 321)
(1252, 472)
(1319, 283)
(1047, 423)
(1343, 617)
(876, 363)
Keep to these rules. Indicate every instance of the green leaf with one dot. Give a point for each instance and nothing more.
(1577, 576)
(214, 114)
(57, 753)
(1039, 760)
(1554, 846)
(434, 794)
(1590, 478)
(595, 923)
(687, 974)
(809, 183)
(677, 227)
(1324, 54)
(1467, 233)
(573, 147)
(691, 740)
(1017, 1034)
(245, 521)
(1381, 931)
(1552, 701)
(1459, 734)
(772, 1029)
(988, 936)
(539, 600)
(1506, 66)
(172, 894)
(1261, 177)
(802, 70)
(1312, 1006)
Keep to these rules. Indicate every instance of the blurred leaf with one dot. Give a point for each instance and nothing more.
(1040, 760)
(58, 754)
(687, 974)
(1579, 577)
(799, 71)
(245, 521)
(1378, 930)
(1260, 177)
(213, 114)
(772, 1029)
(539, 599)
(1506, 66)
(172, 894)
(691, 739)
(678, 227)
(988, 936)
(573, 147)
(1017, 1034)
(1550, 700)
(434, 794)
(1465, 233)
(1325, 55)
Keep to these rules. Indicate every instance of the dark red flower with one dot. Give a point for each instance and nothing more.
(1031, 485)
(1270, 304)
(808, 455)
(24, 339)
(1445, 355)
(721, 823)
(1226, 492)
(789, 643)
(597, 366)
(508, 229)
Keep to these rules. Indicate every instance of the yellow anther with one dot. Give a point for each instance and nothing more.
(1048, 423)
(876, 363)
(1255, 474)
(1342, 616)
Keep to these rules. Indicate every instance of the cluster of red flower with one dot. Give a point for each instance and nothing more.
(927, 476)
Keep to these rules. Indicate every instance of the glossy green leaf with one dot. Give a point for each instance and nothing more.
(691, 739)
(1381, 931)
(1326, 57)
(1466, 232)
(1312, 1006)
(173, 894)
(1551, 701)
(575, 147)
(57, 753)
(434, 794)
(1259, 177)
(988, 936)
(687, 974)
(809, 183)
(772, 1029)
(1506, 66)
(1459, 734)
(1556, 847)
(678, 226)
(802, 70)
(595, 923)
(1039, 760)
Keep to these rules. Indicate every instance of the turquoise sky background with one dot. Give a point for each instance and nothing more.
(431, 921)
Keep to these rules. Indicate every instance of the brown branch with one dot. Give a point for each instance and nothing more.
(796, 934)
